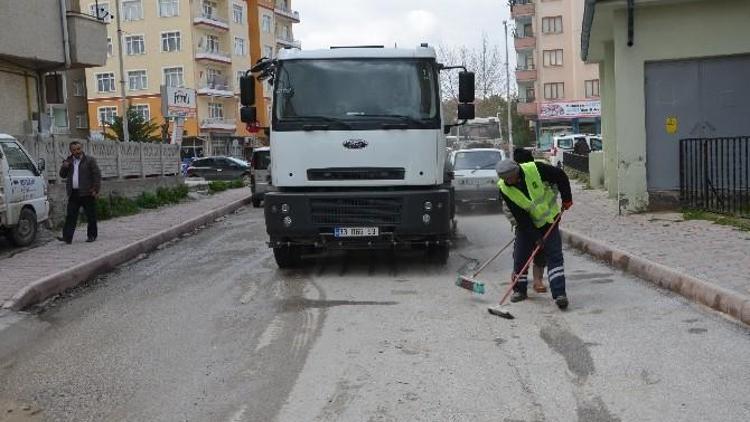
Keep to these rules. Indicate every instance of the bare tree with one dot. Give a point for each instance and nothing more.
(486, 62)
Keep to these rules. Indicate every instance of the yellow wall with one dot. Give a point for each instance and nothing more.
(154, 103)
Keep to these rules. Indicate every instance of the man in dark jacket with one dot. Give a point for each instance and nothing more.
(84, 180)
(530, 191)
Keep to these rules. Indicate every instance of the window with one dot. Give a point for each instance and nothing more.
(142, 110)
(170, 41)
(132, 10)
(110, 48)
(79, 88)
(137, 80)
(552, 57)
(173, 76)
(105, 82)
(552, 25)
(17, 159)
(101, 13)
(239, 46)
(592, 88)
(240, 74)
(168, 8)
(209, 7)
(107, 115)
(134, 45)
(82, 121)
(554, 91)
(267, 51)
(212, 43)
(216, 110)
(238, 13)
(266, 23)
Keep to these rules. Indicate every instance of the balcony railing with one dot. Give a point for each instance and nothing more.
(218, 123)
(213, 54)
(526, 42)
(526, 106)
(212, 20)
(215, 86)
(521, 8)
(287, 13)
(288, 41)
(525, 75)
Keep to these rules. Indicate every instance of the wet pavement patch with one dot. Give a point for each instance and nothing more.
(571, 348)
(299, 304)
(500, 341)
(697, 330)
(595, 411)
(588, 276)
(403, 292)
(603, 281)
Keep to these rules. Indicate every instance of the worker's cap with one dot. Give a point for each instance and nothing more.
(507, 168)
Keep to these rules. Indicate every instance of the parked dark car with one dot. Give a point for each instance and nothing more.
(219, 168)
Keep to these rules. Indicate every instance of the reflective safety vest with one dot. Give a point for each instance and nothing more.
(541, 204)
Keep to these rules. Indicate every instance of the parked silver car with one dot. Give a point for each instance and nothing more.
(475, 177)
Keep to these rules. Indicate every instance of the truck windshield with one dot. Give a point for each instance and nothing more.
(477, 160)
(356, 94)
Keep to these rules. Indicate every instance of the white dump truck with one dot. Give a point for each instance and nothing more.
(358, 151)
(23, 193)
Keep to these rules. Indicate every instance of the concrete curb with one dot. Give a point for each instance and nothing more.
(723, 300)
(71, 277)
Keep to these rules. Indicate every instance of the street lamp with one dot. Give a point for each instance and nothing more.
(507, 94)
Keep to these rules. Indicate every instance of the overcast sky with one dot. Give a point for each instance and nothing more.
(404, 22)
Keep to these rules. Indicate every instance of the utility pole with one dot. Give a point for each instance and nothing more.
(507, 93)
(124, 100)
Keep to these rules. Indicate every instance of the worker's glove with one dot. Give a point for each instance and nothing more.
(566, 205)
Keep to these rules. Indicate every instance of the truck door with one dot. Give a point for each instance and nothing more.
(23, 177)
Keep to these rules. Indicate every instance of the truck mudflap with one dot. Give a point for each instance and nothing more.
(359, 219)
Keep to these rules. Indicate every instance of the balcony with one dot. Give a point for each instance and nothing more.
(285, 12)
(215, 87)
(526, 74)
(218, 123)
(211, 20)
(287, 41)
(88, 40)
(526, 107)
(521, 8)
(213, 55)
(524, 41)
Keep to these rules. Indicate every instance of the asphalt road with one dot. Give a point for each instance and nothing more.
(207, 329)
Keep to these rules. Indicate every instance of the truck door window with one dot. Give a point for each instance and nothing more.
(262, 160)
(17, 159)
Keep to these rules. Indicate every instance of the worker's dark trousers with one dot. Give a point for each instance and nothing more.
(75, 202)
(525, 242)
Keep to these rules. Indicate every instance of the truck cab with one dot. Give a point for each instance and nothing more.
(23, 193)
(357, 151)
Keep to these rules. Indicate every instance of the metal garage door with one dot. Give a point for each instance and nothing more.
(703, 98)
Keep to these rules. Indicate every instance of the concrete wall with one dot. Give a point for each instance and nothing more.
(129, 188)
(663, 32)
(32, 31)
(19, 98)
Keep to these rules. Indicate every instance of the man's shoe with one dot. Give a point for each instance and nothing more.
(91, 239)
(62, 239)
(518, 296)
(562, 302)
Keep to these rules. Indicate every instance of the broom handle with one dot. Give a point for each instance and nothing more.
(531, 258)
(486, 263)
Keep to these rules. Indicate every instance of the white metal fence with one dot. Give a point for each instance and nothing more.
(116, 159)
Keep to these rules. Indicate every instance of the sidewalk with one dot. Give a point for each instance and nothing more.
(706, 262)
(35, 274)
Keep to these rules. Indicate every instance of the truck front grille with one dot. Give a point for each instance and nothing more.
(356, 173)
(356, 211)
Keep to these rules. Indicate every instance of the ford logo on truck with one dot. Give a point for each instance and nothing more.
(355, 143)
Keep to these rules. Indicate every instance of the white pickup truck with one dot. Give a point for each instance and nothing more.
(23, 193)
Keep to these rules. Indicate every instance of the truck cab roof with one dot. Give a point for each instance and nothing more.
(358, 53)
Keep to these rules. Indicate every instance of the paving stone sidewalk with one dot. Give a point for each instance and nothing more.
(26, 267)
(717, 254)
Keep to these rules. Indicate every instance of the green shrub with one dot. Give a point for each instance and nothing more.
(147, 200)
(218, 186)
(236, 184)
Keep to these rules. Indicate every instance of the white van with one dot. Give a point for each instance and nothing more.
(23, 193)
(566, 143)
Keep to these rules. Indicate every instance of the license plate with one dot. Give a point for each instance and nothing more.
(355, 231)
(473, 181)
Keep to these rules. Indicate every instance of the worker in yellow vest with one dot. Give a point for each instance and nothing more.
(530, 192)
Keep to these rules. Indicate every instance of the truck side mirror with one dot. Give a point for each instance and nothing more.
(248, 114)
(465, 111)
(466, 87)
(247, 90)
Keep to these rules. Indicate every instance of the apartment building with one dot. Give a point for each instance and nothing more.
(44, 46)
(557, 91)
(273, 31)
(198, 44)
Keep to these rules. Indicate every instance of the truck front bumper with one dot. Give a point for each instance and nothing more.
(402, 218)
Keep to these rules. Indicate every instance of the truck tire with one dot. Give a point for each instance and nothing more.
(24, 233)
(439, 253)
(287, 256)
(256, 202)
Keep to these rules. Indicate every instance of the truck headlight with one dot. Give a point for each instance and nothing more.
(428, 206)
(287, 221)
(426, 219)
(285, 208)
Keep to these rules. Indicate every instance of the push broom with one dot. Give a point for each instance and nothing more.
(499, 310)
(471, 283)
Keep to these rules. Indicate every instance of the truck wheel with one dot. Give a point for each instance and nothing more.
(24, 233)
(287, 256)
(256, 202)
(439, 254)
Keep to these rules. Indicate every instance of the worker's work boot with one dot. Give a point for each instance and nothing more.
(561, 301)
(518, 297)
